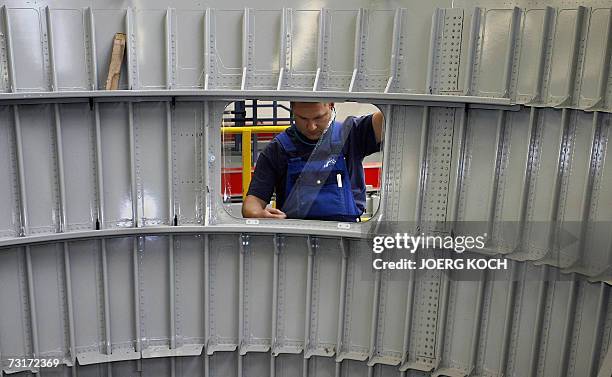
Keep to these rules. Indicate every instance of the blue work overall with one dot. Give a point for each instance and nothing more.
(319, 188)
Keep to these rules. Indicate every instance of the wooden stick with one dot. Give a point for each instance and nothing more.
(114, 68)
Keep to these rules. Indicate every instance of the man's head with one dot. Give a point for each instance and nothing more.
(312, 118)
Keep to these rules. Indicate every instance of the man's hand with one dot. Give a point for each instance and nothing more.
(273, 213)
(255, 207)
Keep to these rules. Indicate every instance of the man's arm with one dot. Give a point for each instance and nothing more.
(256, 207)
(377, 124)
(262, 187)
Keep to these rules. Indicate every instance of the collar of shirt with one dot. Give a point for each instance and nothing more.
(293, 131)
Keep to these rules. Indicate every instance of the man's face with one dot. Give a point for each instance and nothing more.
(312, 118)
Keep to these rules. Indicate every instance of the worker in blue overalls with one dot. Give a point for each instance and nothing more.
(315, 166)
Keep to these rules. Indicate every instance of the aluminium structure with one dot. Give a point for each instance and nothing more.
(496, 113)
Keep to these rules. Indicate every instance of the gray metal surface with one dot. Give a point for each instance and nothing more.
(497, 121)
(212, 291)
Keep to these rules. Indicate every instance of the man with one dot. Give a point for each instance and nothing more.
(315, 166)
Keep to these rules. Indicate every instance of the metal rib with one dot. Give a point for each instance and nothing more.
(106, 296)
(60, 169)
(23, 198)
(99, 165)
(133, 186)
(32, 303)
(474, 35)
(53, 71)
(92, 50)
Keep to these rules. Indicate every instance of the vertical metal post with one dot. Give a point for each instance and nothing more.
(508, 318)
(556, 194)
(169, 42)
(172, 215)
(99, 165)
(172, 289)
(70, 308)
(247, 48)
(60, 169)
(107, 319)
(244, 243)
(206, 304)
(360, 46)
(278, 245)
(32, 303)
(23, 199)
(587, 194)
(571, 80)
(170, 85)
(312, 246)
(374, 322)
(442, 316)
(605, 64)
(342, 302)
(516, 13)
(433, 36)
(499, 146)
(482, 283)
(285, 46)
(23, 204)
(321, 50)
(422, 167)
(9, 50)
(396, 50)
(600, 316)
(93, 74)
(471, 52)
(134, 189)
(540, 313)
(407, 322)
(136, 273)
(93, 85)
(208, 43)
(539, 82)
(52, 69)
(459, 172)
(569, 325)
(533, 128)
(132, 63)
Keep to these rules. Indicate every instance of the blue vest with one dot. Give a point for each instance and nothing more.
(319, 188)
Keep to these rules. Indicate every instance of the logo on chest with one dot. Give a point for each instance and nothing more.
(330, 162)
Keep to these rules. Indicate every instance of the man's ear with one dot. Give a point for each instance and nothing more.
(332, 105)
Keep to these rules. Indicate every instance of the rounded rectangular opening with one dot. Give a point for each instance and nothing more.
(302, 160)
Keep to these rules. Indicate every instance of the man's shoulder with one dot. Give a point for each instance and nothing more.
(354, 122)
(354, 126)
(275, 152)
(277, 144)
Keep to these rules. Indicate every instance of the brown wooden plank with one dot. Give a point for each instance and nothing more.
(114, 68)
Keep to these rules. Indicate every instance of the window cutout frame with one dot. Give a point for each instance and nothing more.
(339, 225)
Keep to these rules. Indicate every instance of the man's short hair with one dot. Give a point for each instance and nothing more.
(291, 103)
